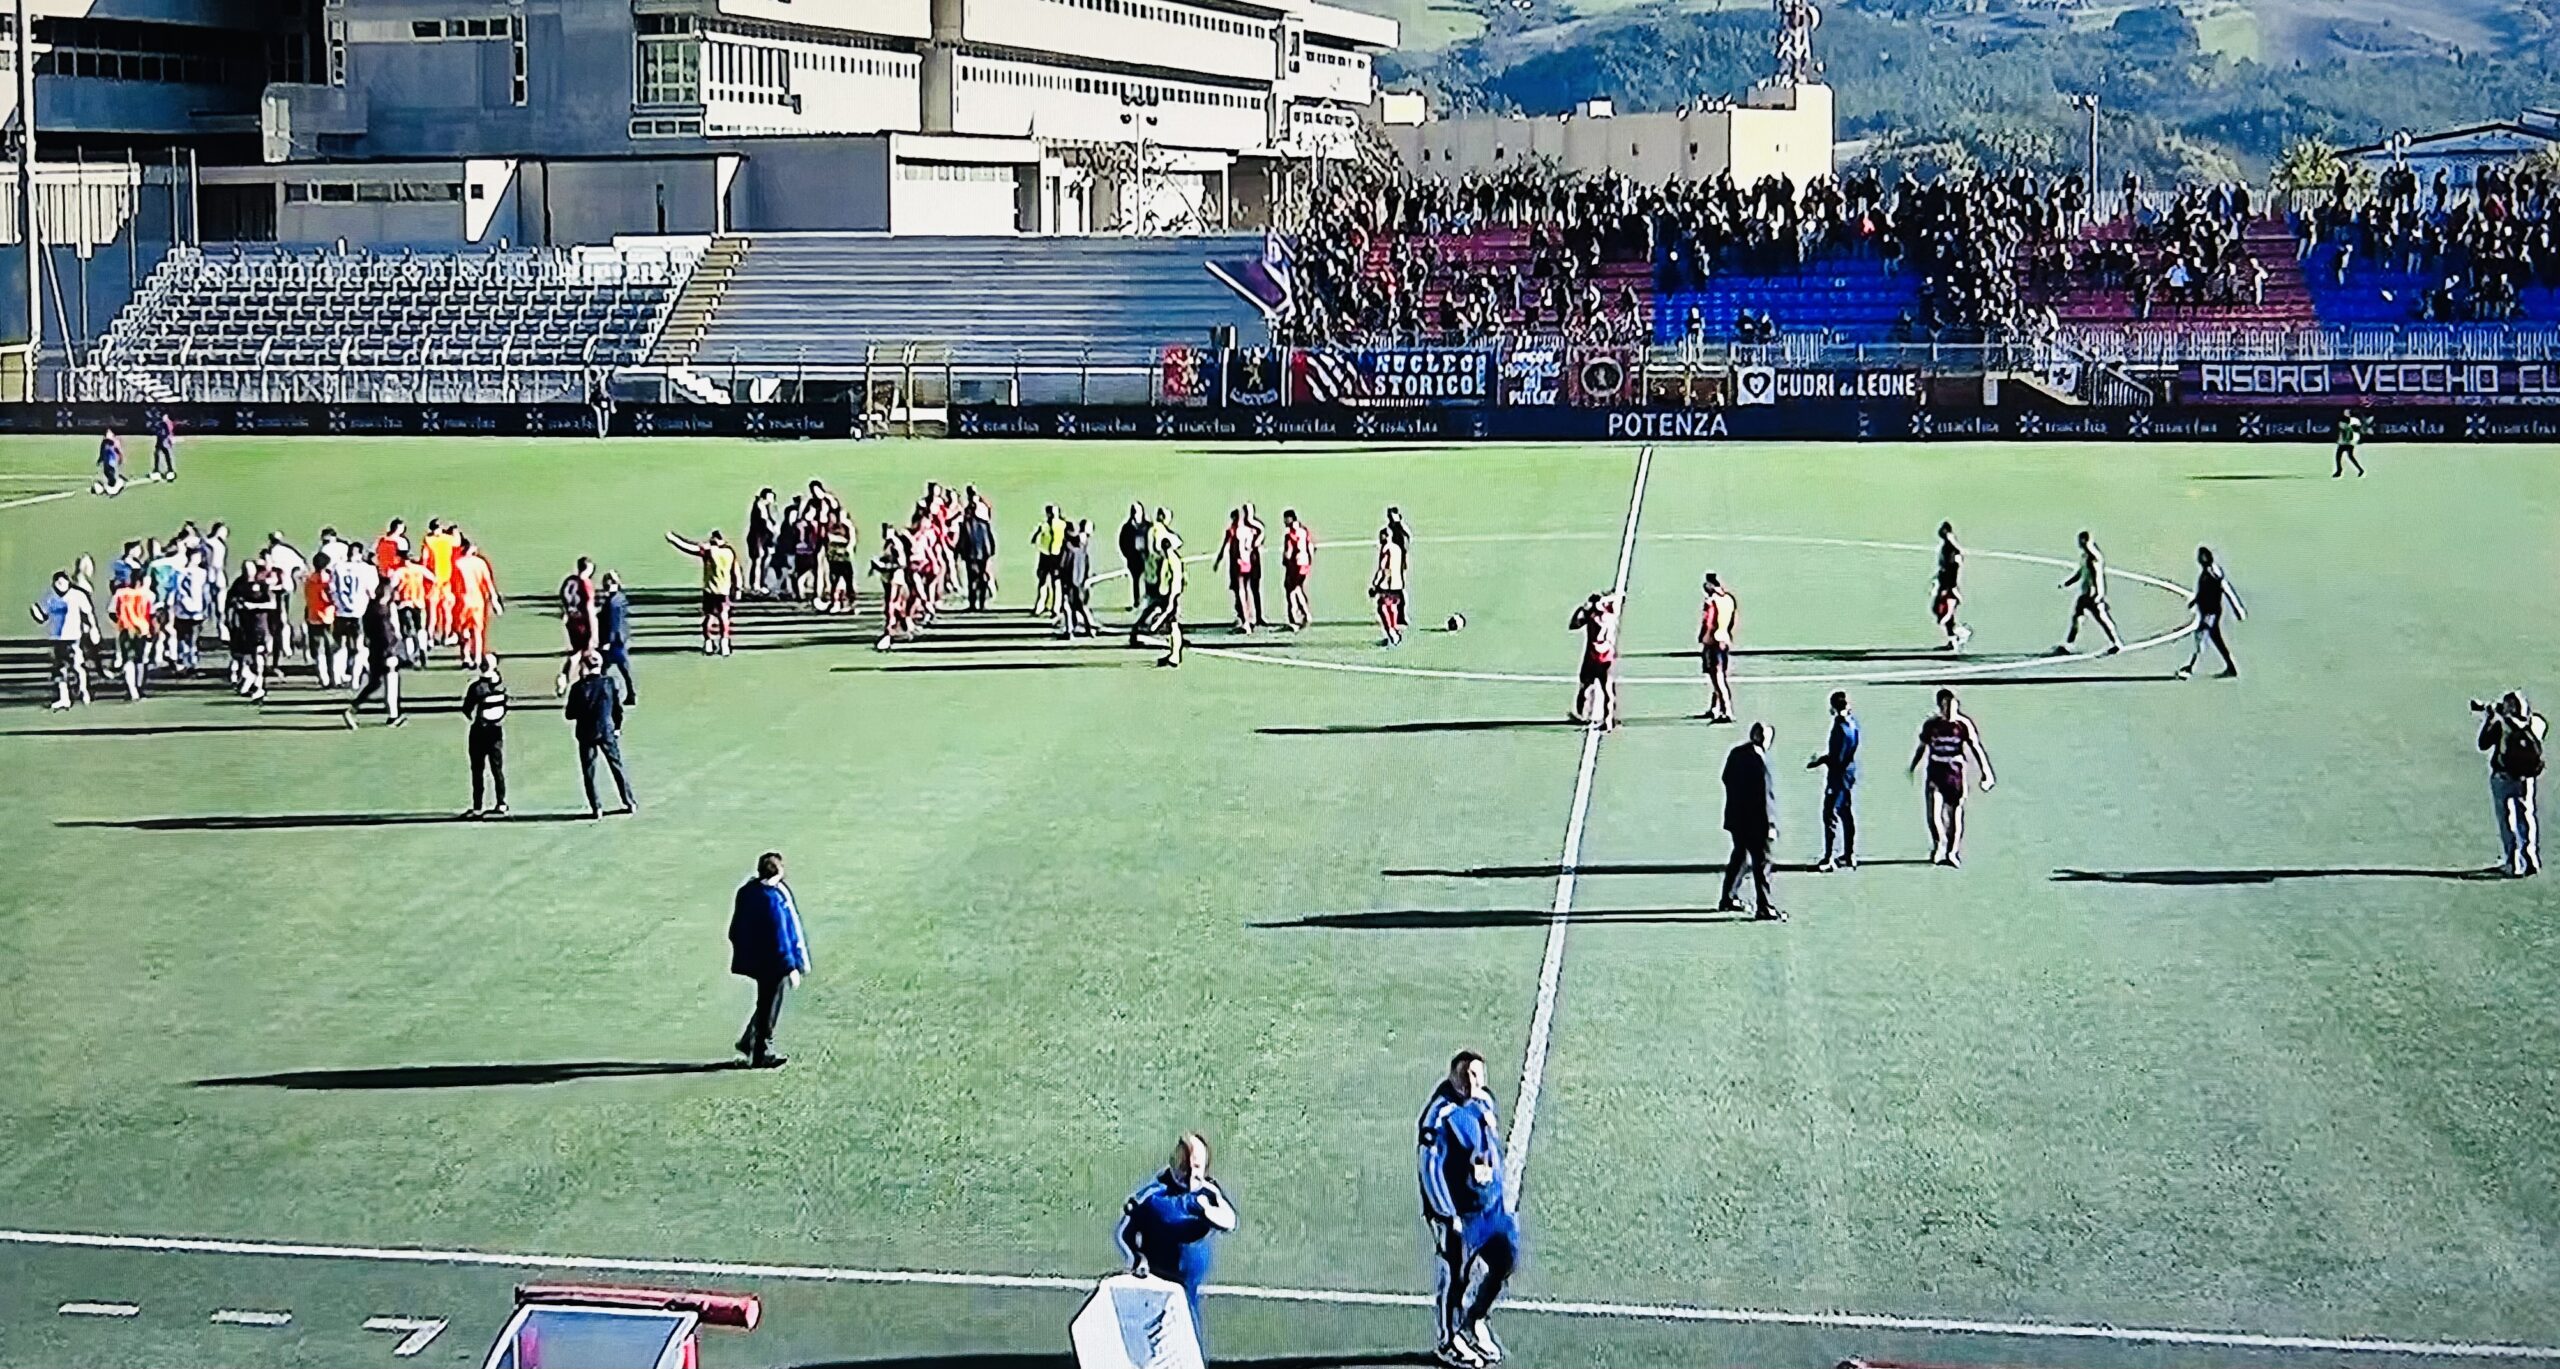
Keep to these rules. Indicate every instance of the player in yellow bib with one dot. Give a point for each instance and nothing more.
(719, 587)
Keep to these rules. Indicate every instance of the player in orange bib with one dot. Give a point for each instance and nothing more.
(317, 616)
(441, 544)
(391, 548)
(476, 601)
(410, 592)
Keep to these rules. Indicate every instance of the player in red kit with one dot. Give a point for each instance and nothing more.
(1297, 563)
(1595, 699)
(1948, 740)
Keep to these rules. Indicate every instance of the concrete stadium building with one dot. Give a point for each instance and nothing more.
(565, 121)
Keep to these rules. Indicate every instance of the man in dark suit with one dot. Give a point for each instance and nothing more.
(1751, 818)
(596, 709)
(766, 945)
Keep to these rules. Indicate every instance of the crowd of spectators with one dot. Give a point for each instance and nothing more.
(1389, 257)
(2472, 254)
(1964, 237)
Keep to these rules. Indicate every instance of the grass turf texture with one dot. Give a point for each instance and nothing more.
(2212, 1030)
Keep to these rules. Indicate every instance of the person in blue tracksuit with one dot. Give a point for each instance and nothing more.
(1166, 1225)
(1839, 766)
(1470, 1218)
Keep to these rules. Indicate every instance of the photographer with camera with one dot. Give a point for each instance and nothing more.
(2511, 732)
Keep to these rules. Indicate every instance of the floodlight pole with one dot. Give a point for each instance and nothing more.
(24, 54)
(2088, 103)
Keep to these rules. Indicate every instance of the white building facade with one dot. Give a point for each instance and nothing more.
(975, 116)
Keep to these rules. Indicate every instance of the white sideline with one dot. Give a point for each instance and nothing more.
(36, 499)
(1666, 1312)
(1542, 1021)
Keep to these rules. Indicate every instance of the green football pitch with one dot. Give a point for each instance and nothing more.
(2221, 1031)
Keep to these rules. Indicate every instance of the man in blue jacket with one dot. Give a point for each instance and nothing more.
(1165, 1226)
(1839, 766)
(766, 945)
(1463, 1203)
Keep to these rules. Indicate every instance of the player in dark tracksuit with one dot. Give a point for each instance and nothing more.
(1839, 766)
(1462, 1200)
(1165, 1226)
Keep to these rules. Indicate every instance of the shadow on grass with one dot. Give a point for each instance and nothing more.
(168, 729)
(1551, 871)
(261, 822)
(955, 667)
(1017, 1360)
(1400, 729)
(2213, 878)
(1459, 919)
(467, 1076)
(2256, 475)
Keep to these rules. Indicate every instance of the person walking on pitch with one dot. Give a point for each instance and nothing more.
(766, 945)
(2213, 598)
(1470, 1220)
(1297, 564)
(719, 587)
(1048, 546)
(2512, 733)
(1718, 616)
(1166, 1226)
(2350, 440)
(1751, 819)
(484, 705)
(2091, 582)
(1386, 587)
(1948, 598)
(1838, 762)
(70, 621)
(1948, 740)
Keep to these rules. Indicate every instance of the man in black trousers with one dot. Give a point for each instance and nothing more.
(485, 704)
(596, 709)
(1751, 818)
(767, 945)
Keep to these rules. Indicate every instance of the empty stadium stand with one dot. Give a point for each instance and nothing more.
(1850, 298)
(821, 304)
(261, 322)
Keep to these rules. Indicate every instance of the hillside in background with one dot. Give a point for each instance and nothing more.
(2198, 89)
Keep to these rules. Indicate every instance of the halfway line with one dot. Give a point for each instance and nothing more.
(1667, 1312)
(1533, 1064)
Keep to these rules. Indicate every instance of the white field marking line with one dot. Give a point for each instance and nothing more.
(1954, 669)
(98, 1309)
(36, 499)
(1668, 1312)
(1533, 1064)
(232, 1316)
(419, 1332)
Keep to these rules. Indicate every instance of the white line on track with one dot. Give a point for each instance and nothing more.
(232, 1316)
(1955, 668)
(36, 499)
(98, 1309)
(1662, 1312)
(1533, 1063)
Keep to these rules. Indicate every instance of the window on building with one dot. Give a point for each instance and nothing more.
(670, 71)
(426, 28)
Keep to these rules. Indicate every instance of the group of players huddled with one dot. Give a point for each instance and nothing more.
(355, 613)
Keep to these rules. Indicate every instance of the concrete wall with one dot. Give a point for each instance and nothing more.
(1792, 134)
(813, 185)
(592, 201)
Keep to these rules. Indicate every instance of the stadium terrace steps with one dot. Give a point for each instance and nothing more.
(699, 303)
(2387, 293)
(1857, 299)
(822, 301)
(254, 309)
(2288, 299)
(1508, 251)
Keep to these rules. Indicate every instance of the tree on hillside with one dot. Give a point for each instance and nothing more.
(2308, 173)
